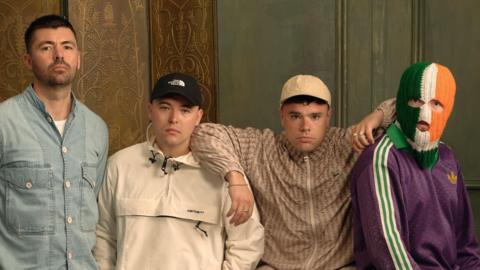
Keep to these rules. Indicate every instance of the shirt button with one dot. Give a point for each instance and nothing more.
(70, 255)
(69, 220)
(29, 184)
(64, 149)
(67, 184)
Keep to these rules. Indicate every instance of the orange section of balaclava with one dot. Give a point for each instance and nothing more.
(445, 94)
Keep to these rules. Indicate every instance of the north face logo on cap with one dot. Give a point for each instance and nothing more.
(177, 83)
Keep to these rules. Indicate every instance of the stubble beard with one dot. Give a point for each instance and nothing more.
(52, 79)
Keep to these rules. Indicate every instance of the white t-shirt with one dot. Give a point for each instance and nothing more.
(60, 126)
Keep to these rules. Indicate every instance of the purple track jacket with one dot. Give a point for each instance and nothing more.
(409, 218)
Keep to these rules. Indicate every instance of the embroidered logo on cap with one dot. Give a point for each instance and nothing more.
(452, 177)
(177, 83)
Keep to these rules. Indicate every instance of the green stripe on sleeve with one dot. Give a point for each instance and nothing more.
(386, 206)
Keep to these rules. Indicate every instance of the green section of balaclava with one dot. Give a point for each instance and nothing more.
(410, 88)
(426, 159)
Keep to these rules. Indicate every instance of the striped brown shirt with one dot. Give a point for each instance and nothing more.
(303, 199)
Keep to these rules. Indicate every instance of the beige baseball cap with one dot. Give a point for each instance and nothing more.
(307, 85)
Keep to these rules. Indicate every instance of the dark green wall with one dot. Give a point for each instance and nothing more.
(474, 193)
(456, 42)
(360, 49)
(263, 43)
(452, 37)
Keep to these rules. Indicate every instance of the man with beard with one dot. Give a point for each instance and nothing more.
(411, 209)
(53, 151)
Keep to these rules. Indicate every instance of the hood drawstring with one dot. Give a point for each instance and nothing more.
(154, 154)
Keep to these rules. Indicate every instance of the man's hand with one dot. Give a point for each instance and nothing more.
(362, 133)
(241, 196)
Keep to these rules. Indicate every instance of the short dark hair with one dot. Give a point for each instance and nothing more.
(47, 21)
(304, 99)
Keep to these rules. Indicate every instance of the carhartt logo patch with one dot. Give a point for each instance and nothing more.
(177, 83)
(452, 177)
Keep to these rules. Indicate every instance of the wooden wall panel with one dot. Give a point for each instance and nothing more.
(183, 40)
(114, 76)
(452, 37)
(261, 44)
(15, 16)
(474, 194)
(379, 48)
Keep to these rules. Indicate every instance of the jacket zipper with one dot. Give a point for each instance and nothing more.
(312, 214)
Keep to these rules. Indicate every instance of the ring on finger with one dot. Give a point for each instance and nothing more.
(355, 134)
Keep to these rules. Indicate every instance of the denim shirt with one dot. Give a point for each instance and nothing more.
(49, 185)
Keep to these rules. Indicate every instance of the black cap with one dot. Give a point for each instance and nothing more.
(178, 84)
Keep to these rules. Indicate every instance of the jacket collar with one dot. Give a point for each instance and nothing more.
(398, 137)
(425, 159)
(152, 149)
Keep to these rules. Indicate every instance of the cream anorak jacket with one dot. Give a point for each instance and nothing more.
(170, 214)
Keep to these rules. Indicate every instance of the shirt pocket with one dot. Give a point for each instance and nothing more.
(89, 208)
(29, 200)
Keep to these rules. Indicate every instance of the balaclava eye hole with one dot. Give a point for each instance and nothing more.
(410, 88)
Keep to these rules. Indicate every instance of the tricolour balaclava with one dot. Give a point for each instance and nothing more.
(426, 82)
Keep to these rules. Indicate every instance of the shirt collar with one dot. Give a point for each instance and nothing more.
(35, 100)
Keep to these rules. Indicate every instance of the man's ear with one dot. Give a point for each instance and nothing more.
(329, 114)
(330, 111)
(79, 58)
(149, 110)
(27, 59)
(281, 114)
(199, 116)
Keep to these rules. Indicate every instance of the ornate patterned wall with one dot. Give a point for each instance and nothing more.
(183, 39)
(15, 15)
(114, 76)
(117, 63)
